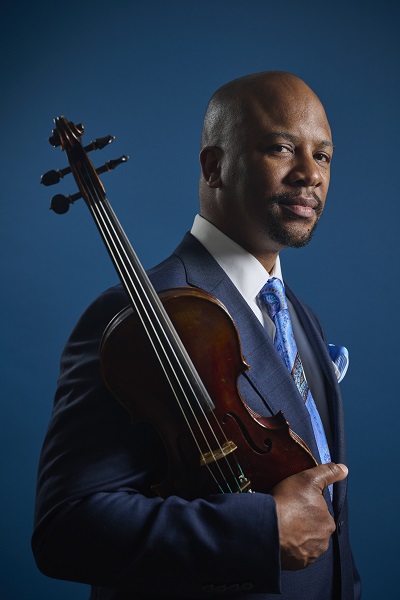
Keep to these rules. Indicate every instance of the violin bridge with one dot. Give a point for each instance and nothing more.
(214, 455)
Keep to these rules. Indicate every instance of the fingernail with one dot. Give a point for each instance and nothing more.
(343, 467)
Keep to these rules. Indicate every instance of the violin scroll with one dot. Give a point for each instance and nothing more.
(68, 135)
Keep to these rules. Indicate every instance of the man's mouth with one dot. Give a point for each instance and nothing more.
(303, 206)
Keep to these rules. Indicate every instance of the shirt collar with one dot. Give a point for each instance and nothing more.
(245, 271)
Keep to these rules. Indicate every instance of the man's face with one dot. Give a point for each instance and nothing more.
(275, 171)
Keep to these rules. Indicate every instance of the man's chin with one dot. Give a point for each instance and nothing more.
(292, 237)
(301, 243)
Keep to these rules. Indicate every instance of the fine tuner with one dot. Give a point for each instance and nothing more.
(59, 203)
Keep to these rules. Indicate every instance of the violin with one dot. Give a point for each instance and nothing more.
(174, 358)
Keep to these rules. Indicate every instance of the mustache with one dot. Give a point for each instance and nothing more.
(277, 198)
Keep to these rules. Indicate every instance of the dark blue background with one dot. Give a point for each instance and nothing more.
(144, 72)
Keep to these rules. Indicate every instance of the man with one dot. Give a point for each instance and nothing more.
(265, 158)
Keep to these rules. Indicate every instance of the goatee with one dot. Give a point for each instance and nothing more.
(282, 233)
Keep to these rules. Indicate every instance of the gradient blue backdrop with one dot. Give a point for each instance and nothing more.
(144, 71)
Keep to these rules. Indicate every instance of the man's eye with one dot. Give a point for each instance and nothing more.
(321, 156)
(281, 149)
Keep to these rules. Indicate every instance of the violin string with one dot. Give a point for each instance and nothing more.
(102, 218)
(156, 343)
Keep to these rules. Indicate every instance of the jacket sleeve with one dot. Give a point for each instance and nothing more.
(97, 520)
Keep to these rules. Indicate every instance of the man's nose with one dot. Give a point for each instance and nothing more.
(306, 172)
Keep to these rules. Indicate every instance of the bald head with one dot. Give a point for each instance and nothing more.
(231, 104)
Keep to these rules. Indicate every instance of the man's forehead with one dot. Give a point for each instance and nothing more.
(286, 113)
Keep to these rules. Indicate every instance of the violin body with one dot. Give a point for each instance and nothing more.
(266, 449)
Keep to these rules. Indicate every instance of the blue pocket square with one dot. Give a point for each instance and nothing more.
(340, 359)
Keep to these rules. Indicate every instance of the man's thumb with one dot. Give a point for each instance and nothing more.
(329, 473)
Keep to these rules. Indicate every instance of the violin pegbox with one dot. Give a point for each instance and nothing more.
(67, 135)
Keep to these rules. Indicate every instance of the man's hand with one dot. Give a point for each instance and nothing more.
(305, 525)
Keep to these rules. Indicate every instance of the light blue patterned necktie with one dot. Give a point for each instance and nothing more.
(273, 295)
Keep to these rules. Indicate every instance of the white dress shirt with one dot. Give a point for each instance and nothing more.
(249, 277)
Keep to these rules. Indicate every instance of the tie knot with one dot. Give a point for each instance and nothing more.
(273, 294)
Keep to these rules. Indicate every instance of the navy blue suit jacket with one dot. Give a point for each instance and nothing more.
(97, 520)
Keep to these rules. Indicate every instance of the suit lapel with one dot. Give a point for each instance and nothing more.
(267, 374)
(334, 399)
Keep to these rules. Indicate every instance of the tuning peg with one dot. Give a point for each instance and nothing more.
(112, 164)
(60, 204)
(52, 177)
(100, 143)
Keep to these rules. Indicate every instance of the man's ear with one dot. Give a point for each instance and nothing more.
(210, 165)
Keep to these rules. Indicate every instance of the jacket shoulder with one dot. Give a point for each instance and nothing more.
(169, 273)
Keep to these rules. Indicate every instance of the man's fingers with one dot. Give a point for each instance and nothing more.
(324, 475)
